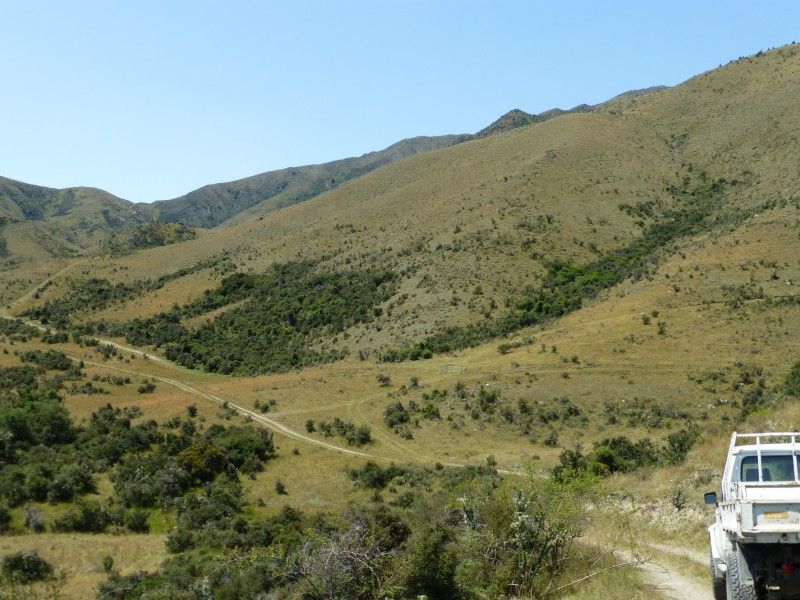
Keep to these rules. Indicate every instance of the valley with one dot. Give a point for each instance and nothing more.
(580, 309)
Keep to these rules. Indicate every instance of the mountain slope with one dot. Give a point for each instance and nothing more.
(469, 227)
(46, 222)
(519, 118)
(80, 216)
(214, 204)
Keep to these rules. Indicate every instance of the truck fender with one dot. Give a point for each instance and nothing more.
(718, 549)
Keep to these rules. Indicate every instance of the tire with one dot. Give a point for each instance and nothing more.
(718, 584)
(736, 588)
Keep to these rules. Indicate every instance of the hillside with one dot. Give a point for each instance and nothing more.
(79, 216)
(608, 293)
(46, 222)
(215, 204)
(519, 118)
(469, 227)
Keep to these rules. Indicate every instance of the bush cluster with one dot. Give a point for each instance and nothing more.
(621, 454)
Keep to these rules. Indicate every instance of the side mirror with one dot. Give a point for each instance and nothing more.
(710, 498)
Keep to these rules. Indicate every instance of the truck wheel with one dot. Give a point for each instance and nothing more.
(718, 584)
(737, 589)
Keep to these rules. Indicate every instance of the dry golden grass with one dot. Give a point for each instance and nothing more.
(79, 557)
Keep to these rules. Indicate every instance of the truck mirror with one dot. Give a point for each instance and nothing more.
(710, 497)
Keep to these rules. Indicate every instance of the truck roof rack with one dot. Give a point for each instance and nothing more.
(792, 436)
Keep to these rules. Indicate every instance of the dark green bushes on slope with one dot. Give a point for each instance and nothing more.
(96, 294)
(273, 321)
(478, 539)
(566, 286)
(14, 327)
(621, 454)
(792, 383)
(44, 456)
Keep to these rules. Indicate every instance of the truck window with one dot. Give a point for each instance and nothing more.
(774, 467)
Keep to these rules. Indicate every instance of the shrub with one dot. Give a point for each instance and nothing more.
(791, 384)
(70, 481)
(26, 567)
(355, 435)
(51, 360)
(87, 517)
(148, 387)
(214, 503)
(108, 563)
(240, 443)
(5, 518)
(203, 461)
(372, 476)
(395, 414)
(678, 445)
(136, 521)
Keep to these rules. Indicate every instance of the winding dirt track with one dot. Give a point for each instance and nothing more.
(268, 422)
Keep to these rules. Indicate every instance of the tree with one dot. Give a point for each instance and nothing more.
(26, 567)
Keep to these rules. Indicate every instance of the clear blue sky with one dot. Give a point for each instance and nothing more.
(150, 99)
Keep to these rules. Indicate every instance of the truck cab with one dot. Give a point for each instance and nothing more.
(755, 540)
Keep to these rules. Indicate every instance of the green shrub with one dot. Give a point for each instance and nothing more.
(25, 567)
(791, 384)
(395, 414)
(5, 518)
(137, 521)
(203, 461)
(87, 517)
(355, 435)
(372, 476)
(70, 480)
(52, 360)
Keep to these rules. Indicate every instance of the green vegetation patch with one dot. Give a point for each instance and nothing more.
(621, 454)
(16, 329)
(792, 383)
(45, 456)
(96, 294)
(272, 322)
(151, 234)
(566, 286)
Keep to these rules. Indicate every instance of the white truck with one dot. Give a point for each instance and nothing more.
(755, 541)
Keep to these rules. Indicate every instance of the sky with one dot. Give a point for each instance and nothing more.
(151, 99)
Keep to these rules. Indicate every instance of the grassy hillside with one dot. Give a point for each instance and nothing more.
(472, 226)
(632, 274)
(44, 222)
(78, 217)
(519, 118)
(240, 200)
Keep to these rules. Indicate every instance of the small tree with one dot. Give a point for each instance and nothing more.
(25, 567)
